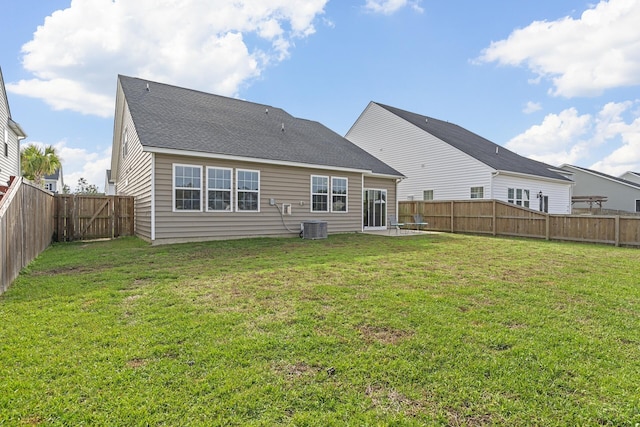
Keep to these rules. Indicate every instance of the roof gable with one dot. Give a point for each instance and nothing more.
(174, 118)
(603, 175)
(483, 150)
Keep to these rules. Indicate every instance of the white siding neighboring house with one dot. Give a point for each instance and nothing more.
(10, 136)
(443, 161)
(109, 184)
(621, 194)
(631, 176)
(204, 167)
(54, 182)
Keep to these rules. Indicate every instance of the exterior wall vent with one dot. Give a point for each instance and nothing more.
(314, 230)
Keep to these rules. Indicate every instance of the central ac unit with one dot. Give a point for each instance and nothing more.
(314, 230)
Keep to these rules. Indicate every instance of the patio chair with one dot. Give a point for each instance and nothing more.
(393, 223)
(418, 221)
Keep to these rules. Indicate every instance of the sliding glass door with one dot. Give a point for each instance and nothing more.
(375, 209)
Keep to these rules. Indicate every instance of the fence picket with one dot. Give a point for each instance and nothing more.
(499, 218)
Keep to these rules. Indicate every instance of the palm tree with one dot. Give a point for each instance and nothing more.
(36, 163)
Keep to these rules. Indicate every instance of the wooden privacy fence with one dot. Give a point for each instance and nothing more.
(505, 219)
(85, 217)
(26, 227)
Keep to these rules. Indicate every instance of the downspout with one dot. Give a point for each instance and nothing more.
(493, 175)
(362, 203)
(153, 197)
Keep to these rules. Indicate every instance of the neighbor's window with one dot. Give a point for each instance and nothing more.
(518, 196)
(6, 142)
(125, 143)
(637, 205)
(477, 192)
(247, 190)
(427, 195)
(338, 194)
(319, 193)
(187, 187)
(218, 189)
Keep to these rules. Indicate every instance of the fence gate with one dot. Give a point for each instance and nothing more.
(84, 217)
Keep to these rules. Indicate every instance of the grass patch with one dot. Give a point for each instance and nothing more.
(352, 330)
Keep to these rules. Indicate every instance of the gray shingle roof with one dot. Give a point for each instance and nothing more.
(170, 117)
(487, 152)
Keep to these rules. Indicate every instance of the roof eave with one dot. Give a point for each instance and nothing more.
(538, 177)
(172, 151)
(15, 127)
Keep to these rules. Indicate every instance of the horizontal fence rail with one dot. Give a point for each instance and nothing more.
(86, 217)
(499, 218)
(26, 228)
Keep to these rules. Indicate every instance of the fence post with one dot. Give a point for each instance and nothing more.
(617, 230)
(493, 224)
(547, 227)
(452, 217)
(115, 224)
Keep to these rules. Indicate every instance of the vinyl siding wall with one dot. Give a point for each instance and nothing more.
(426, 161)
(559, 193)
(631, 177)
(619, 196)
(9, 165)
(290, 185)
(134, 175)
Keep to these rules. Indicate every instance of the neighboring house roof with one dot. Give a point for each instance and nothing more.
(483, 150)
(172, 118)
(603, 175)
(54, 176)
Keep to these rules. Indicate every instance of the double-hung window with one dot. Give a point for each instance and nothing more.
(518, 196)
(319, 193)
(339, 194)
(187, 188)
(218, 189)
(6, 142)
(477, 192)
(247, 190)
(427, 195)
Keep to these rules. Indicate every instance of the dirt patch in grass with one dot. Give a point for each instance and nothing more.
(383, 334)
(136, 363)
(294, 370)
(389, 400)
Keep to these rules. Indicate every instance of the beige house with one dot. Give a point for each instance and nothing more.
(10, 136)
(205, 167)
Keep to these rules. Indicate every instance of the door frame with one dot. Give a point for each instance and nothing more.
(365, 209)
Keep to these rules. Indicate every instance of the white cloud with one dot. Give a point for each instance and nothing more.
(388, 7)
(532, 107)
(582, 57)
(77, 53)
(569, 137)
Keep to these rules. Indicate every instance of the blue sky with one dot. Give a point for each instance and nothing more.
(558, 81)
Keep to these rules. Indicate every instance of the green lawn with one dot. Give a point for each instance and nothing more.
(351, 330)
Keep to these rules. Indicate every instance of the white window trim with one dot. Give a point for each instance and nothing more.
(471, 192)
(522, 200)
(346, 195)
(328, 194)
(432, 195)
(231, 192)
(125, 143)
(238, 170)
(174, 188)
